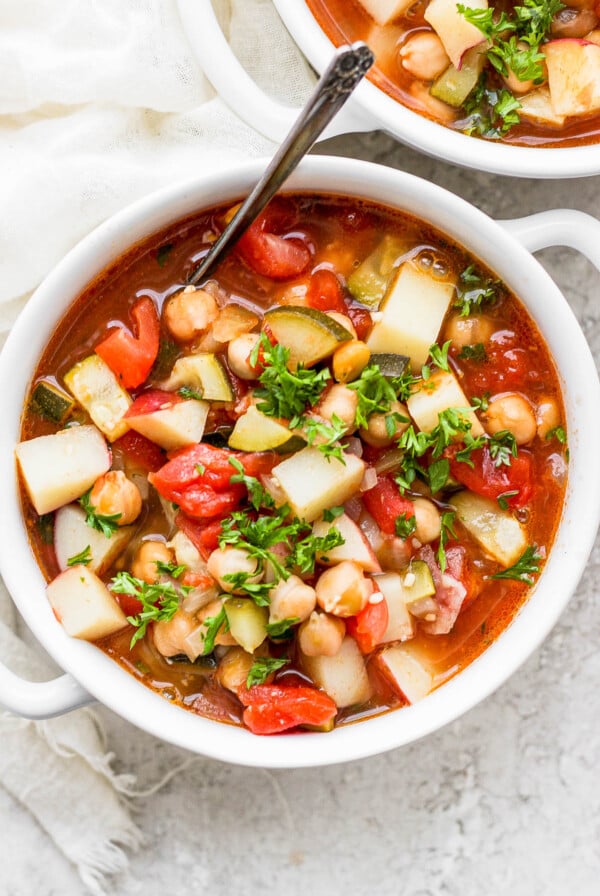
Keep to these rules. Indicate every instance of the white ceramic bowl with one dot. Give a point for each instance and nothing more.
(369, 108)
(91, 674)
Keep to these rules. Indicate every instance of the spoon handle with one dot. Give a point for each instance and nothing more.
(346, 69)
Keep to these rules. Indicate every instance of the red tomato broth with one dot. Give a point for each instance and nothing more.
(340, 235)
(345, 21)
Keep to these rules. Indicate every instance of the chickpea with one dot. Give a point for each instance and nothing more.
(169, 635)
(468, 330)
(570, 22)
(343, 320)
(427, 519)
(292, 599)
(147, 556)
(343, 590)
(513, 412)
(424, 56)
(222, 639)
(341, 402)
(547, 415)
(377, 433)
(349, 360)
(233, 668)
(114, 494)
(229, 561)
(321, 635)
(189, 312)
(238, 355)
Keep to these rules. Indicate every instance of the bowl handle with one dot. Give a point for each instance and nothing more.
(558, 227)
(40, 699)
(235, 86)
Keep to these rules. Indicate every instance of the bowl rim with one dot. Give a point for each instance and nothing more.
(424, 134)
(487, 240)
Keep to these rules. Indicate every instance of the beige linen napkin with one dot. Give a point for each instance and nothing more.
(101, 101)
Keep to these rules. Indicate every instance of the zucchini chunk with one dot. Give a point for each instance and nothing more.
(418, 595)
(59, 468)
(390, 364)
(413, 312)
(312, 482)
(254, 431)
(72, 535)
(443, 391)
(50, 402)
(84, 605)
(369, 282)
(203, 373)
(247, 622)
(496, 530)
(98, 390)
(455, 84)
(310, 335)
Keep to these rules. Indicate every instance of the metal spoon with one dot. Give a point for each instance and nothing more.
(346, 69)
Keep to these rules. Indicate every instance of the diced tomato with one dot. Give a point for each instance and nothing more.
(361, 319)
(204, 536)
(130, 357)
(140, 451)
(151, 401)
(486, 479)
(459, 567)
(197, 580)
(385, 504)
(368, 627)
(271, 709)
(130, 605)
(325, 292)
(198, 479)
(273, 256)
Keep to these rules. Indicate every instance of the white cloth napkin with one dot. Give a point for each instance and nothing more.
(101, 101)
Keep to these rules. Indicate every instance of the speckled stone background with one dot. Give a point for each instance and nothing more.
(504, 801)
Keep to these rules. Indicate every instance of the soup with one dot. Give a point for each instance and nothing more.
(310, 491)
(524, 74)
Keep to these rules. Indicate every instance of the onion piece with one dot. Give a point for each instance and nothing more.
(389, 461)
(354, 446)
(198, 598)
(370, 530)
(271, 484)
(369, 479)
(353, 508)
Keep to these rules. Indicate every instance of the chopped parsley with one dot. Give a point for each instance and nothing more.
(213, 625)
(524, 569)
(170, 569)
(558, 433)
(447, 530)
(262, 667)
(504, 498)
(324, 436)
(105, 524)
(285, 393)
(376, 392)
(84, 557)
(439, 355)
(160, 601)
(257, 494)
(474, 290)
(475, 352)
(502, 447)
(282, 628)
(187, 392)
(332, 514)
(405, 525)
(304, 552)
(438, 473)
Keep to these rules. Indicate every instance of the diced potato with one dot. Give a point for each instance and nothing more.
(455, 32)
(355, 547)
(312, 482)
(204, 373)
(72, 535)
(537, 106)
(385, 11)
(413, 311)
(496, 530)
(84, 605)
(343, 676)
(573, 76)
(174, 427)
(98, 390)
(441, 391)
(406, 671)
(401, 625)
(58, 468)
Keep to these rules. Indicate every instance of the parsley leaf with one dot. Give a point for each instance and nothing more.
(84, 557)
(503, 498)
(286, 393)
(262, 667)
(105, 524)
(405, 525)
(557, 433)
(524, 569)
(447, 530)
(304, 552)
(160, 601)
(188, 392)
(376, 392)
(475, 352)
(257, 494)
(325, 436)
(332, 514)
(260, 592)
(502, 447)
(213, 625)
(438, 473)
(170, 569)
(474, 290)
(439, 355)
(282, 628)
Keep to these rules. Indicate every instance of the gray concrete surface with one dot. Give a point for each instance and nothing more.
(504, 801)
